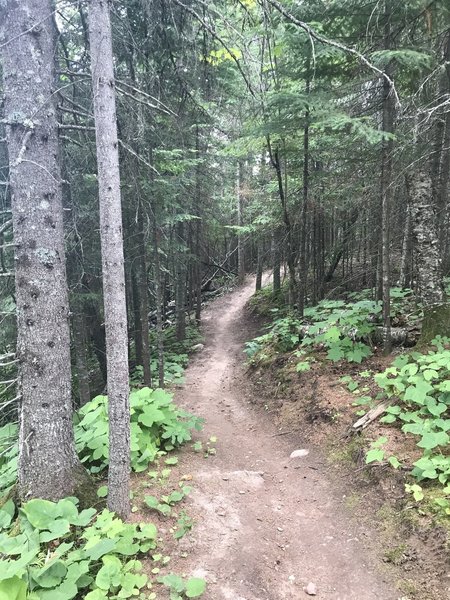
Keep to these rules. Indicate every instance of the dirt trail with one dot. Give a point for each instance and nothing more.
(266, 525)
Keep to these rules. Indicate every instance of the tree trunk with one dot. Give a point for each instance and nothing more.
(290, 255)
(239, 211)
(426, 242)
(339, 250)
(276, 263)
(404, 279)
(143, 296)
(441, 199)
(303, 270)
(259, 267)
(80, 347)
(180, 286)
(386, 186)
(48, 463)
(159, 302)
(198, 229)
(112, 256)
(135, 303)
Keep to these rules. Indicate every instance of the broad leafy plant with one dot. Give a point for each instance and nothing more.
(156, 423)
(420, 385)
(338, 327)
(55, 552)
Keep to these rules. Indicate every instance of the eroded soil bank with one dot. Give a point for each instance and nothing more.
(267, 525)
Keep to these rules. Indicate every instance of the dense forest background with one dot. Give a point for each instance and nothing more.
(310, 139)
(249, 139)
(153, 153)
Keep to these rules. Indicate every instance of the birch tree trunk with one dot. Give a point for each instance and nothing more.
(405, 276)
(48, 463)
(112, 256)
(425, 237)
(428, 258)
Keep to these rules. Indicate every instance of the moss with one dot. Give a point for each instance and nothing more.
(408, 587)
(352, 501)
(395, 555)
(349, 452)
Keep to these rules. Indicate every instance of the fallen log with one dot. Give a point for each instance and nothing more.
(400, 336)
(370, 416)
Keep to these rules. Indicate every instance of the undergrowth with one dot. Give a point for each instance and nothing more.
(416, 387)
(156, 423)
(334, 326)
(53, 551)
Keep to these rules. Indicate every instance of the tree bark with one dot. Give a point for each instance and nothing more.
(239, 211)
(136, 303)
(290, 255)
(143, 305)
(259, 266)
(276, 262)
(80, 347)
(386, 186)
(303, 270)
(405, 275)
(180, 286)
(112, 256)
(159, 302)
(48, 463)
(426, 242)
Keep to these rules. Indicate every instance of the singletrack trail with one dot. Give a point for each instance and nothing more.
(266, 525)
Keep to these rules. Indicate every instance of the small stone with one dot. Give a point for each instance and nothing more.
(197, 347)
(311, 589)
(299, 453)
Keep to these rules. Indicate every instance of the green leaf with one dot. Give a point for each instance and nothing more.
(195, 587)
(57, 529)
(374, 455)
(173, 582)
(432, 440)
(96, 595)
(66, 591)
(13, 589)
(110, 574)
(388, 419)
(394, 462)
(51, 575)
(100, 548)
(335, 353)
(6, 514)
(102, 491)
(40, 513)
(303, 366)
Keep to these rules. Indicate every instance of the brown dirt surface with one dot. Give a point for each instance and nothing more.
(266, 525)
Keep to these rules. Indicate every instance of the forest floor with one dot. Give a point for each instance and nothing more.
(267, 526)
